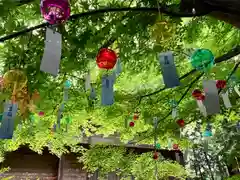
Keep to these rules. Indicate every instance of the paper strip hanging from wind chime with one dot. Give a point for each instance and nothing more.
(7, 124)
(169, 71)
(221, 85)
(89, 86)
(234, 81)
(52, 52)
(87, 81)
(174, 106)
(67, 85)
(118, 69)
(211, 101)
(207, 134)
(107, 89)
(238, 125)
(170, 144)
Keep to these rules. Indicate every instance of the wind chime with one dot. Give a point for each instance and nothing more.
(170, 78)
(14, 81)
(106, 60)
(170, 75)
(55, 13)
(66, 88)
(208, 130)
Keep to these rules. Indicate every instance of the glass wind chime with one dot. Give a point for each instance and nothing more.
(15, 81)
(208, 102)
(55, 13)
(106, 59)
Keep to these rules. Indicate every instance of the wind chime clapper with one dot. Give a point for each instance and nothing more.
(90, 90)
(174, 106)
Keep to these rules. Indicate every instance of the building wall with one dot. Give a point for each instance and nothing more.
(71, 169)
(26, 164)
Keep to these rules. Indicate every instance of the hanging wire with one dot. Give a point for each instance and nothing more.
(159, 9)
(155, 123)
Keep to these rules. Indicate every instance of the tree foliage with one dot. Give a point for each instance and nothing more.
(111, 159)
(137, 37)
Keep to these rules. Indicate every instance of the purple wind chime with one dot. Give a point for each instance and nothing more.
(55, 12)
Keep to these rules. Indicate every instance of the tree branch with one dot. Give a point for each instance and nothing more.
(163, 9)
(170, 112)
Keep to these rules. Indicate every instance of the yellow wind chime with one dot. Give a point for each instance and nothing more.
(15, 81)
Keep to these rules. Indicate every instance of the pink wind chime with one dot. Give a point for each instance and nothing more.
(55, 11)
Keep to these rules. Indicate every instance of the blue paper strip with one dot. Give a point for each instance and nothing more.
(7, 125)
(169, 71)
(52, 52)
(54, 127)
(92, 93)
(107, 90)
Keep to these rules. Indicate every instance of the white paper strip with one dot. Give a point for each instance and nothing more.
(88, 82)
(236, 90)
(52, 52)
(174, 113)
(202, 108)
(226, 100)
(177, 157)
(118, 67)
(169, 144)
